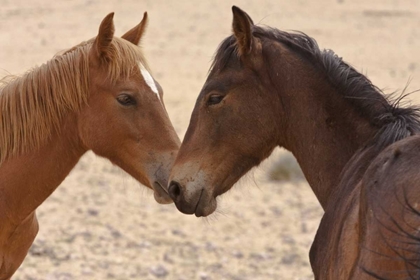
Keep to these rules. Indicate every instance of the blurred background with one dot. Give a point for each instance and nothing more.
(101, 224)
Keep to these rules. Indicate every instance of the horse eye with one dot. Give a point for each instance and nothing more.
(215, 99)
(126, 100)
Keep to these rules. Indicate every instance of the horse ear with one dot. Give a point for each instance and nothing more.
(105, 35)
(242, 29)
(135, 34)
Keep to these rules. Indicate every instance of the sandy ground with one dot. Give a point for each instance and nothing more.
(101, 224)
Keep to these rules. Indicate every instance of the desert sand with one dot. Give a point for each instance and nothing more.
(101, 224)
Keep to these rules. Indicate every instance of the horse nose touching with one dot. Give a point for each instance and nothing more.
(192, 197)
(174, 190)
(187, 204)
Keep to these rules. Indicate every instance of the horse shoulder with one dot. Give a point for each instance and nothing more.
(335, 249)
(15, 242)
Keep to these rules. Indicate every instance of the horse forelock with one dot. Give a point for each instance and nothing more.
(33, 105)
(226, 51)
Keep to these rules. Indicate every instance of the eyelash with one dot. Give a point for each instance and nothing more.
(214, 99)
(126, 100)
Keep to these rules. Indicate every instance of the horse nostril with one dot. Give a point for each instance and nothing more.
(174, 190)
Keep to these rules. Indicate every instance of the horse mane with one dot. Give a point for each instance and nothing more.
(33, 105)
(386, 112)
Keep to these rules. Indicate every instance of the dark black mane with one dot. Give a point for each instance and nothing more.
(395, 122)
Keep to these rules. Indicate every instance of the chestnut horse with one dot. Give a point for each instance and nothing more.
(359, 152)
(98, 96)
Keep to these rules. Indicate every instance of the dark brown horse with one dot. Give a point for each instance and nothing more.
(359, 152)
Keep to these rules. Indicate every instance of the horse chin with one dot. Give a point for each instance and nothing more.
(205, 209)
(160, 194)
(201, 208)
(162, 199)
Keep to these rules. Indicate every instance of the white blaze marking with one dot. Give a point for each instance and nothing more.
(148, 79)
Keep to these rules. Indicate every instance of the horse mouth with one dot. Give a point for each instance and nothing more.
(158, 186)
(196, 213)
(205, 205)
(161, 194)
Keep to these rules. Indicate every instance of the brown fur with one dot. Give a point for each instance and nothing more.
(90, 97)
(30, 108)
(136, 33)
(284, 91)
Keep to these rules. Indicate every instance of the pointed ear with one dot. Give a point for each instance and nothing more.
(242, 29)
(136, 33)
(103, 40)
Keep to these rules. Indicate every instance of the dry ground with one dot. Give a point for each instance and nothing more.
(100, 224)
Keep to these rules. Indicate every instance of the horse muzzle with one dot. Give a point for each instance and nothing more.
(191, 200)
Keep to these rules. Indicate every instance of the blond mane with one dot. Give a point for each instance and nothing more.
(33, 105)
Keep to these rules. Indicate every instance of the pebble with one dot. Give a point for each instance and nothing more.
(238, 254)
(204, 276)
(159, 271)
(289, 259)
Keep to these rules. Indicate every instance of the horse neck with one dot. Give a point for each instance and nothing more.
(27, 180)
(323, 131)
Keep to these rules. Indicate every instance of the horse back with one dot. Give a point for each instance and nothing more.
(389, 214)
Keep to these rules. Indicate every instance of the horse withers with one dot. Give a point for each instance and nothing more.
(268, 88)
(99, 96)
